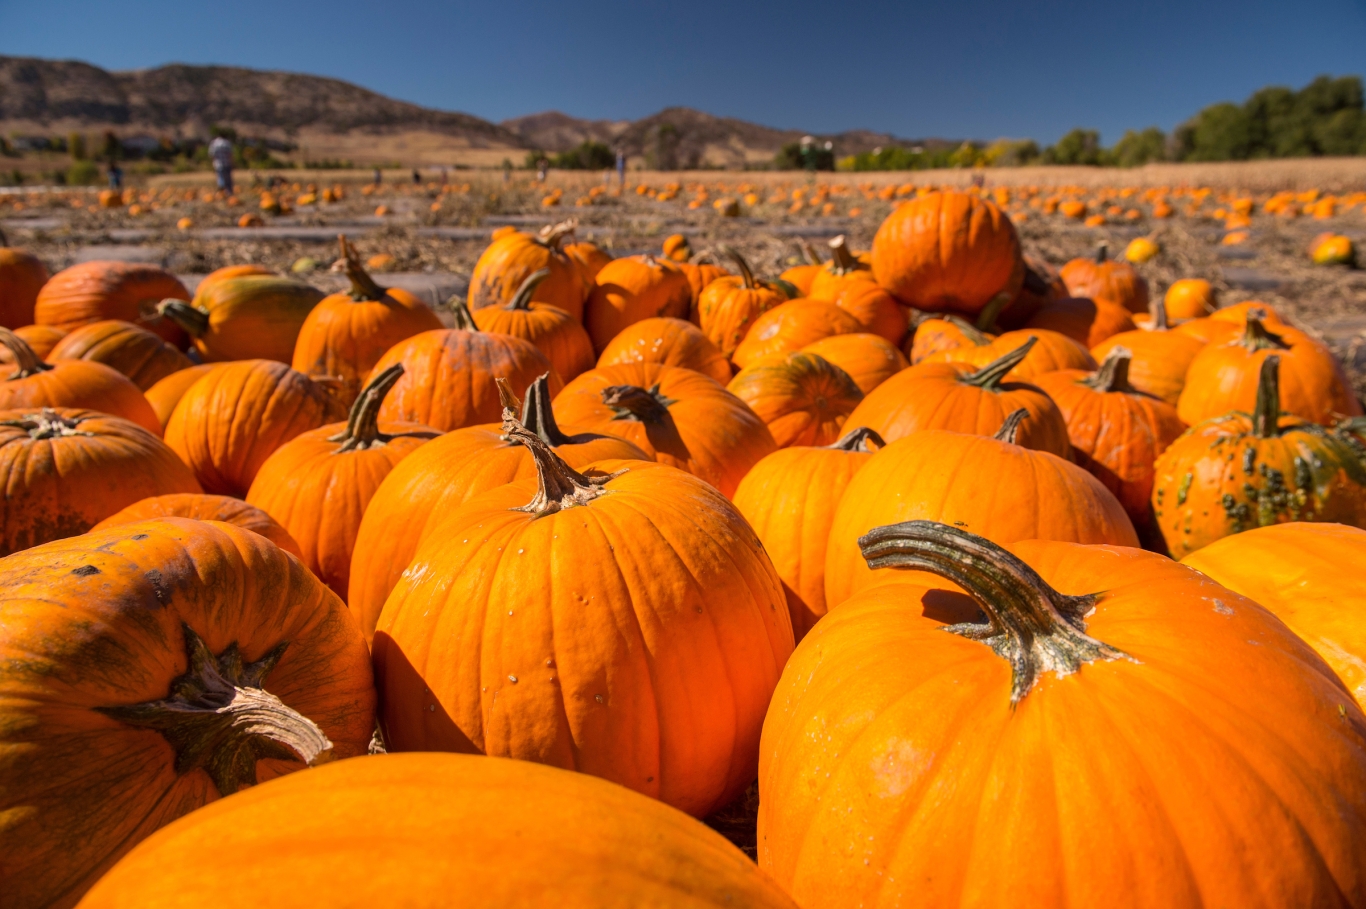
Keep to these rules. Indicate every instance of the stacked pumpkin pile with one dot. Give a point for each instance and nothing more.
(868, 532)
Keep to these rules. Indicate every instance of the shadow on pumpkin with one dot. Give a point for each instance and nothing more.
(410, 716)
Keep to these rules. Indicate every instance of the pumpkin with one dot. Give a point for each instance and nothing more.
(235, 416)
(789, 498)
(728, 306)
(677, 416)
(345, 334)
(203, 507)
(1190, 298)
(945, 335)
(1088, 322)
(699, 275)
(96, 291)
(792, 326)
(958, 397)
(673, 342)
(65, 470)
(42, 338)
(948, 252)
(988, 485)
(164, 664)
(135, 352)
(1243, 470)
(166, 394)
(869, 359)
(553, 331)
(1159, 357)
(1106, 280)
(1051, 351)
(802, 398)
(835, 275)
(231, 271)
(589, 257)
(875, 310)
(82, 384)
(1223, 377)
(1238, 313)
(436, 825)
(22, 275)
(1041, 285)
(961, 736)
(631, 593)
(1298, 571)
(631, 289)
(451, 469)
(803, 276)
(676, 247)
(450, 377)
(1117, 431)
(511, 259)
(245, 318)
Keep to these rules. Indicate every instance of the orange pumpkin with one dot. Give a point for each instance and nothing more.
(82, 384)
(166, 394)
(203, 507)
(589, 257)
(802, 398)
(42, 338)
(928, 728)
(22, 275)
(165, 663)
(1106, 280)
(1051, 351)
(803, 276)
(875, 309)
(631, 289)
(728, 306)
(672, 342)
(945, 335)
(699, 275)
(1159, 357)
(511, 259)
(948, 252)
(789, 498)
(676, 247)
(1088, 322)
(869, 359)
(135, 352)
(835, 276)
(231, 271)
(95, 291)
(1190, 298)
(671, 594)
(555, 333)
(245, 318)
(792, 326)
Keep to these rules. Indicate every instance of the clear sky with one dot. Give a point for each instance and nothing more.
(963, 69)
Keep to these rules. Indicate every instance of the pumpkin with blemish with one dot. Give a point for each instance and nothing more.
(555, 332)
(512, 258)
(204, 507)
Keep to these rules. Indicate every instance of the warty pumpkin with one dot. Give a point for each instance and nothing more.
(631, 289)
(672, 342)
(677, 416)
(319, 483)
(434, 825)
(961, 746)
(789, 498)
(133, 351)
(245, 318)
(555, 332)
(82, 384)
(164, 664)
(1243, 470)
(791, 326)
(234, 417)
(608, 604)
(506, 264)
(869, 359)
(95, 291)
(802, 398)
(1106, 280)
(204, 507)
(728, 306)
(1088, 322)
(1051, 351)
(22, 275)
(1159, 357)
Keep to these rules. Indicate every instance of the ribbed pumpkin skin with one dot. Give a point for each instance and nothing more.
(802, 398)
(991, 488)
(68, 480)
(1051, 352)
(435, 825)
(79, 384)
(792, 326)
(933, 396)
(42, 338)
(699, 275)
(709, 432)
(1305, 574)
(948, 252)
(137, 353)
(672, 342)
(898, 741)
(555, 333)
(942, 336)
(869, 359)
(95, 291)
(22, 275)
(589, 257)
(426, 487)
(166, 394)
(343, 338)
(319, 492)
(253, 317)
(876, 310)
(235, 416)
(625, 611)
(789, 498)
(511, 259)
(1086, 321)
(631, 289)
(449, 376)
(1160, 359)
(1109, 281)
(203, 507)
(726, 309)
(99, 621)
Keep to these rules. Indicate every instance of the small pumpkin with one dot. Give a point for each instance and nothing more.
(869, 359)
(511, 259)
(677, 248)
(96, 291)
(842, 269)
(802, 398)
(203, 507)
(1190, 298)
(1088, 322)
(555, 333)
(82, 384)
(1159, 358)
(791, 326)
(22, 275)
(1106, 280)
(728, 306)
(135, 352)
(802, 276)
(1051, 351)
(672, 342)
(631, 289)
(245, 318)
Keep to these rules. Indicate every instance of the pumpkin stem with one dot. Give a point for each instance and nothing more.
(1010, 427)
(522, 299)
(986, 319)
(537, 414)
(1159, 315)
(746, 274)
(553, 235)
(858, 440)
(560, 486)
(48, 424)
(842, 260)
(1034, 627)
(218, 718)
(363, 287)
(1257, 337)
(25, 357)
(194, 320)
(464, 320)
(1113, 374)
(969, 330)
(1102, 253)
(990, 376)
(362, 427)
(1266, 413)
(812, 257)
(631, 402)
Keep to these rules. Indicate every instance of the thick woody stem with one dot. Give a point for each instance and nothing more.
(1102, 253)
(631, 402)
(986, 319)
(1113, 374)
(362, 426)
(991, 375)
(1010, 427)
(1256, 336)
(464, 319)
(559, 485)
(842, 260)
(1160, 314)
(553, 235)
(858, 440)
(1266, 413)
(363, 287)
(746, 273)
(969, 330)
(194, 320)
(522, 299)
(25, 357)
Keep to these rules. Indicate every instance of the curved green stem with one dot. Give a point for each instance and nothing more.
(192, 319)
(1010, 427)
(522, 299)
(991, 375)
(363, 287)
(362, 426)
(858, 440)
(464, 319)
(986, 319)
(1256, 336)
(1113, 374)
(746, 274)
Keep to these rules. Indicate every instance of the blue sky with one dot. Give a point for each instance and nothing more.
(969, 68)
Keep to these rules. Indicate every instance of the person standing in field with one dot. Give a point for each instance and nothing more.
(220, 153)
(621, 168)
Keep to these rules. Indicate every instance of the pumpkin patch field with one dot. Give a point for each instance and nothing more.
(689, 540)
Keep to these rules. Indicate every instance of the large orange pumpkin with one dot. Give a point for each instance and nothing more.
(948, 252)
(491, 831)
(802, 398)
(673, 342)
(22, 275)
(511, 259)
(792, 326)
(135, 352)
(555, 332)
(869, 359)
(961, 748)
(1106, 280)
(204, 507)
(680, 417)
(589, 257)
(631, 627)
(728, 306)
(150, 669)
(789, 498)
(166, 394)
(1159, 357)
(844, 267)
(245, 318)
(95, 291)
(631, 289)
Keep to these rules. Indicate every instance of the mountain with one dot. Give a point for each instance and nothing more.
(553, 131)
